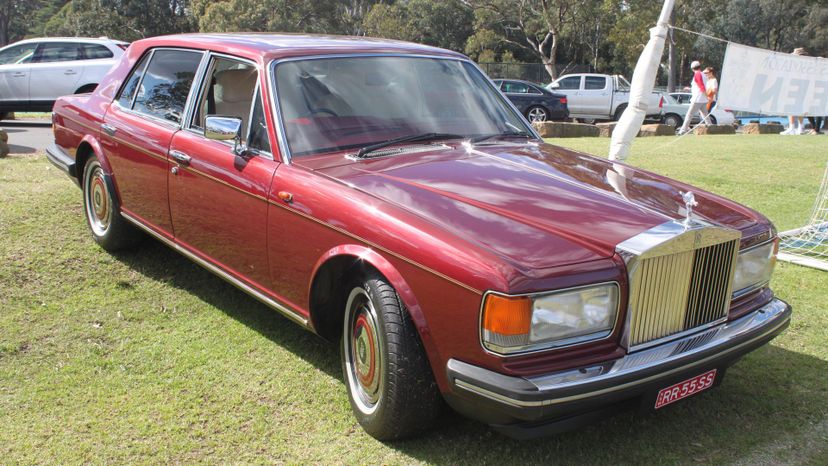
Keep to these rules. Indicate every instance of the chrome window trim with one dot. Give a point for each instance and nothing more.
(541, 347)
(202, 77)
(277, 110)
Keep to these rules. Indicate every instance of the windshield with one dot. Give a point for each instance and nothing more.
(343, 103)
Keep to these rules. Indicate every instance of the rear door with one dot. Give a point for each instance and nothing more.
(518, 93)
(595, 96)
(139, 126)
(55, 70)
(15, 62)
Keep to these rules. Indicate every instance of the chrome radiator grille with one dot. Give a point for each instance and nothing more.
(681, 290)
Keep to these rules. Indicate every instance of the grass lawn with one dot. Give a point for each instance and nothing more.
(143, 357)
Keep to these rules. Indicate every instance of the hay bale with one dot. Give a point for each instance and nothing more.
(4, 148)
(4, 136)
(559, 129)
(707, 130)
(605, 129)
(656, 130)
(759, 128)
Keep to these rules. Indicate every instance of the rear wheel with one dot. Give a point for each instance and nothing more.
(620, 111)
(671, 119)
(537, 114)
(86, 89)
(390, 385)
(103, 216)
(713, 120)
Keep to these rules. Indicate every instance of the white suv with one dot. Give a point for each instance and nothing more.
(35, 72)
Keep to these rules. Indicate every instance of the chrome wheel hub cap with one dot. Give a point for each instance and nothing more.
(97, 200)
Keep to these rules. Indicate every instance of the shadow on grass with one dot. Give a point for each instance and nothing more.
(157, 261)
(771, 395)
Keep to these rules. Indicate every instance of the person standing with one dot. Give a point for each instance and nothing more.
(711, 87)
(698, 99)
(795, 123)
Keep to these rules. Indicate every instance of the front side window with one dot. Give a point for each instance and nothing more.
(573, 83)
(57, 51)
(18, 54)
(163, 89)
(341, 103)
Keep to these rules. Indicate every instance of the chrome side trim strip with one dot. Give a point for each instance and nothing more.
(768, 318)
(289, 313)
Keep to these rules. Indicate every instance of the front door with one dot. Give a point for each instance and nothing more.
(595, 96)
(138, 129)
(15, 62)
(218, 199)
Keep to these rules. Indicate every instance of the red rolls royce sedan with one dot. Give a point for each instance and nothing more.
(386, 196)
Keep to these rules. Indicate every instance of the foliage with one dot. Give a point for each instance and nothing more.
(13, 14)
(445, 24)
(119, 19)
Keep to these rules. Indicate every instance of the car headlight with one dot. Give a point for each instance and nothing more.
(754, 268)
(513, 324)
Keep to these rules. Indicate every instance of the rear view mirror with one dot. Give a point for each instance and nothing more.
(224, 128)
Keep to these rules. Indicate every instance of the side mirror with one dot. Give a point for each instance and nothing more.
(223, 128)
(554, 86)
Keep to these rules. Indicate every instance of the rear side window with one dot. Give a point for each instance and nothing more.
(595, 83)
(128, 92)
(571, 83)
(163, 88)
(57, 51)
(95, 51)
(515, 87)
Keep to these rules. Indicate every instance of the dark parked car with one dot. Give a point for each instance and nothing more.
(533, 101)
(428, 230)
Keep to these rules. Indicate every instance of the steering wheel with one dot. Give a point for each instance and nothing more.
(314, 111)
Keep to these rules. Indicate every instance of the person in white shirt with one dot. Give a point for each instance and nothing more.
(698, 100)
(711, 87)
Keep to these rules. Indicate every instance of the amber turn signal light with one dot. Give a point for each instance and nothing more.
(506, 315)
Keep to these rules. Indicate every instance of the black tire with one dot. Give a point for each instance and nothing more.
(86, 89)
(671, 119)
(619, 111)
(390, 384)
(713, 120)
(536, 113)
(4, 115)
(103, 211)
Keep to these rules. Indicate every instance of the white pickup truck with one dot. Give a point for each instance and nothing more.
(600, 96)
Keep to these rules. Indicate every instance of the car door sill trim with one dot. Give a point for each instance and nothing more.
(287, 312)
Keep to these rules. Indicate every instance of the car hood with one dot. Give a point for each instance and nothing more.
(535, 205)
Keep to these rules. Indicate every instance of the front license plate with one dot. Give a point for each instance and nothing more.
(684, 389)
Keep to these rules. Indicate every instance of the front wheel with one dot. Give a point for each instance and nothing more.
(103, 216)
(537, 115)
(390, 385)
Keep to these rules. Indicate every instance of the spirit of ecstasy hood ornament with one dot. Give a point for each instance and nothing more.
(689, 203)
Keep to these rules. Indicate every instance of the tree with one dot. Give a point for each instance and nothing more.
(266, 15)
(120, 19)
(14, 18)
(445, 24)
(532, 25)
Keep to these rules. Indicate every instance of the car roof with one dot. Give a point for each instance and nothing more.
(283, 45)
(91, 40)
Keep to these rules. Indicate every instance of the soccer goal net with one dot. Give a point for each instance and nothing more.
(808, 245)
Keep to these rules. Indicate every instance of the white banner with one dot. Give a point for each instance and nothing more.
(773, 83)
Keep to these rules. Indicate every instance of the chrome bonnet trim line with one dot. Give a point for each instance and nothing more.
(287, 312)
(683, 353)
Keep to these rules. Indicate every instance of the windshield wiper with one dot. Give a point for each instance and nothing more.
(484, 137)
(416, 137)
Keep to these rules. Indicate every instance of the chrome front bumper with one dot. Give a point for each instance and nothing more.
(561, 394)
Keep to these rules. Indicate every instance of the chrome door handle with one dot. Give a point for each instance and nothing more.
(180, 157)
(70, 72)
(19, 75)
(109, 129)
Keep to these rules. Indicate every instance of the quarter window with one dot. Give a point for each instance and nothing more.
(57, 51)
(595, 83)
(95, 51)
(163, 90)
(571, 83)
(18, 54)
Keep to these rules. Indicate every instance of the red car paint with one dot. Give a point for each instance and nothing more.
(442, 227)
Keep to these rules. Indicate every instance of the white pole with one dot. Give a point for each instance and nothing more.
(642, 84)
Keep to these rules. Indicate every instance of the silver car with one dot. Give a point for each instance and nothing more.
(35, 72)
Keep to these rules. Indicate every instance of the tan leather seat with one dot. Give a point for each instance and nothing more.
(234, 94)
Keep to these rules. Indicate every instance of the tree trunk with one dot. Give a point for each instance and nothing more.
(671, 53)
(4, 29)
